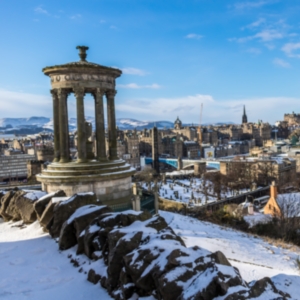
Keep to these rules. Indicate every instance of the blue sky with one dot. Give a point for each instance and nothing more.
(174, 55)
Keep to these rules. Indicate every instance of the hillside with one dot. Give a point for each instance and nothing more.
(32, 267)
(37, 124)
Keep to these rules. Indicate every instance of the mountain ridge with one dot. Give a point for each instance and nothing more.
(36, 124)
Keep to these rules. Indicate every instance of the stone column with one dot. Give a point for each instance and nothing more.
(81, 132)
(100, 129)
(111, 120)
(56, 125)
(63, 126)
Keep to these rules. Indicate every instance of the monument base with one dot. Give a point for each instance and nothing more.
(110, 181)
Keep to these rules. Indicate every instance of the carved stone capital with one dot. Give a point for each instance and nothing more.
(98, 93)
(79, 92)
(54, 93)
(111, 93)
(62, 93)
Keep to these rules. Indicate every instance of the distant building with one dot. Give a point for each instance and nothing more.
(244, 118)
(292, 119)
(261, 170)
(13, 165)
(191, 149)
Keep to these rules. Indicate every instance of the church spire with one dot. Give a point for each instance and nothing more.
(244, 118)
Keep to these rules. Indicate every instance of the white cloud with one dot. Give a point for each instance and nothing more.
(281, 63)
(76, 17)
(20, 104)
(251, 4)
(269, 35)
(188, 108)
(255, 24)
(194, 36)
(134, 71)
(290, 48)
(266, 35)
(102, 21)
(165, 107)
(40, 10)
(113, 27)
(136, 86)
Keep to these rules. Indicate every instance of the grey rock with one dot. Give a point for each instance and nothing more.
(40, 205)
(72, 228)
(63, 210)
(12, 210)
(5, 200)
(93, 277)
(26, 209)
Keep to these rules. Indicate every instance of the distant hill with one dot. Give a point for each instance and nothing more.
(38, 124)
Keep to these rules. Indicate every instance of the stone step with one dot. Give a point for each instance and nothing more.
(81, 172)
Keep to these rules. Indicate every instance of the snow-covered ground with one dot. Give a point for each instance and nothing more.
(253, 257)
(32, 267)
(183, 190)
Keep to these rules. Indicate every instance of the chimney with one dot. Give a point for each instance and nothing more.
(273, 190)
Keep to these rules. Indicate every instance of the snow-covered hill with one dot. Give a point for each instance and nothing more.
(32, 267)
(21, 125)
(16, 122)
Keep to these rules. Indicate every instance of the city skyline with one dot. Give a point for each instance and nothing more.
(174, 56)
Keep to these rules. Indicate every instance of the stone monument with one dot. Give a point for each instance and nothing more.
(109, 178)
(155, 155)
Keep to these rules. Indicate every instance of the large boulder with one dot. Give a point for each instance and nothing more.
(2, 193)
(79, 220)
(122, 219)
(5, 200)
(95, 238)
(213, 281)
(47, 216)
(64, 209)
(12, 210)
(118, 248)
(41, 204)
(262, 289)
(87, 240)
(25, 205)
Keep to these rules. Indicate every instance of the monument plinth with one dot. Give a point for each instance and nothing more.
(109, 178)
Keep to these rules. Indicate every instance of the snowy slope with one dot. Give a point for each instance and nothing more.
(16, 122)
(32, 267)
(253, 257)
(122, 123)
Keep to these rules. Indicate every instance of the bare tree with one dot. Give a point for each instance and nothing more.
(266, 172)
(241, 175)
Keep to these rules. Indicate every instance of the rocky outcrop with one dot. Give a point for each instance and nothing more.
(2, 193)
(137, 255)
(47, 216)
(5, 200)
(19, 205)
(12, 212)
(41, 204)
(25, 205)
(94, 239)
(144, 256)
(64, 209)
(263, 287)
(80, 219)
